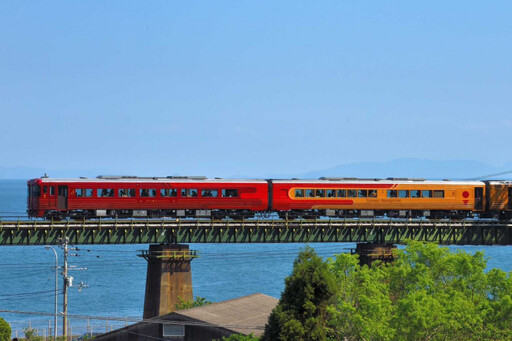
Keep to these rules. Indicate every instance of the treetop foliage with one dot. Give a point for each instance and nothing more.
(5, 330)
(197, 302)
(32, 335)
(300, 313)
(428, 293)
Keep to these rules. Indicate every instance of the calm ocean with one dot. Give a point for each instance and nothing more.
(116, 277)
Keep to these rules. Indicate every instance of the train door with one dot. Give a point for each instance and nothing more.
(52, 197)
(510, 198)
(479, 194)
(62, 197)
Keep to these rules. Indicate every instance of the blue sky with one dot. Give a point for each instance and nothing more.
(252, 87)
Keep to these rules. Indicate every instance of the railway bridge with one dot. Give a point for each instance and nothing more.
(169, 259)
(176, 231)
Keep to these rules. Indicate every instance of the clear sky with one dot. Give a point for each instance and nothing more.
(252, 87)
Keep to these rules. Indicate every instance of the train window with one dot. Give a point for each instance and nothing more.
(372, 193)
(310, 193)
(426, 193)
(52, 190)
(45, 189)
(168, 192)
(146, 193)
(352, 193)
(320, 193)
(362, 193)
(105, 192)
(415, 193)
(331, 193)
(299, 193)
(229, 193)
(37, 191)
(126, 193)
(392, 193)
(403, 193)
(342, 193)
(439, 194)
(88, 192)
(209, 193)
(79, 192)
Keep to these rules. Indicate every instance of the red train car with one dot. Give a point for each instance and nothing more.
(127, 196)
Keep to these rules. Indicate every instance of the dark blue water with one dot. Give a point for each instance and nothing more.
(116, 276)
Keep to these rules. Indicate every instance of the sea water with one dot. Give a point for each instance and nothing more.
(110, 279)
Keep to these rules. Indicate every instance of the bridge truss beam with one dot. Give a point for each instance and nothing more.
(37, 232)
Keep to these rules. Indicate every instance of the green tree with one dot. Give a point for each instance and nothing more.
(197, 302)
(5, 330)
(32, 335)
(300, 313)
(427, 293)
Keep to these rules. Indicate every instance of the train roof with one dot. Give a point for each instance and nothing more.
(500, 182)
(322, 180)
(156, 179)
(404, 181)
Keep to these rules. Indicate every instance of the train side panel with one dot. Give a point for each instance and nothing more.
(83, 196)
(378, 196)
(150, 196)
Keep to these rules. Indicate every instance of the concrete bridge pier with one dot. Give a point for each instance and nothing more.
(370, 252)
(169, 278)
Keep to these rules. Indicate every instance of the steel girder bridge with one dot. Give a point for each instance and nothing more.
(166, 231)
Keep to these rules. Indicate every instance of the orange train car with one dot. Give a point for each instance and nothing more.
(392, 197)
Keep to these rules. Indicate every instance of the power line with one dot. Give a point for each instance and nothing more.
(28, 293)
(489, 176)
(153, 320)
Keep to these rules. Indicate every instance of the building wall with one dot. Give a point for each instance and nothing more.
(149, 331)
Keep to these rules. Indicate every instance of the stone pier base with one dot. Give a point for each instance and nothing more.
(169, 278)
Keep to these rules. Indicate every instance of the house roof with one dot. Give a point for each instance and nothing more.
(246, 315)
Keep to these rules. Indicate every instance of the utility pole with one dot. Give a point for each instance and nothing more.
(68, 282)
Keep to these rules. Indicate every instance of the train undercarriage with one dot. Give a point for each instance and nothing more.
(125, 214)
(289, 215)
(428, 214)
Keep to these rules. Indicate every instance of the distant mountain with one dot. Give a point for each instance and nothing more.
(413, 168)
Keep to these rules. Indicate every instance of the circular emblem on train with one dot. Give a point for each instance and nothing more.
(465, 194)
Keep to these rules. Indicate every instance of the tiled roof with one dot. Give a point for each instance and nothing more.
(247, 314)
